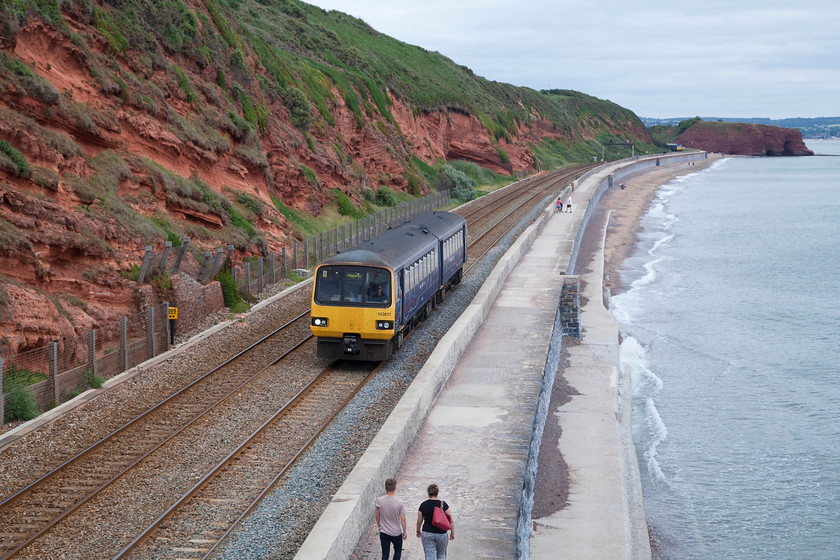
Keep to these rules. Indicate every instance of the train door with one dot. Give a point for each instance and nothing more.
(398, 297)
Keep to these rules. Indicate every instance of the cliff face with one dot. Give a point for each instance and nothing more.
(745, 139)
(106, 148)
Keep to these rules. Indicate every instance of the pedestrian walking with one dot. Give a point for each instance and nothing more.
(434, 540)
(569, 204)
(559, 203)
(390, 518)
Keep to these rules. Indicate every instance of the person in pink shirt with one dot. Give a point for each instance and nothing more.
(390, 517)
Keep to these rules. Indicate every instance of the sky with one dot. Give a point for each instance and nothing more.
(684, 58)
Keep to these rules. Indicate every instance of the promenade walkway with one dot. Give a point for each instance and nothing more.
(468, 420)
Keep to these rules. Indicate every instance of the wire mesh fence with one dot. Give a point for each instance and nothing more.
(37, 380)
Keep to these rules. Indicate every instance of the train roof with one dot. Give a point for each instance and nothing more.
(403, 244)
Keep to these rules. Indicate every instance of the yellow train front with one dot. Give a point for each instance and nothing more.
(366, 299)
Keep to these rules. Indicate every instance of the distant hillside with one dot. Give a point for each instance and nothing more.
(819, 127)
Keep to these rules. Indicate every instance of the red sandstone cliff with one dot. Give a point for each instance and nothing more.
(118, 154)
(745, 139)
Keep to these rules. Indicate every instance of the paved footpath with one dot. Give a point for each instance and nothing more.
(474, 443)
(473, 408)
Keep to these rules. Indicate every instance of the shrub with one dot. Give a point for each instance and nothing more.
(386, 197)
(132, 273)
(346, 206)
(298, 105)
(459, 185)
(20, 403)
(93, 381)
(233, 300)
(17, 158)
(162, 284)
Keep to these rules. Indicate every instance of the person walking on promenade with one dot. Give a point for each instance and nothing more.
(559, 203)
(434, 540)
(390, 518)
(569, 204)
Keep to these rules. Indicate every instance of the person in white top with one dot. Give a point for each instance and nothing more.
(390, 517)
(569, 204)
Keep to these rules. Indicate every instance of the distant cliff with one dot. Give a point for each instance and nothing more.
(744, 139)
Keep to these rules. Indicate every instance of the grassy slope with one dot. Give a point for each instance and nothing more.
(239, 63)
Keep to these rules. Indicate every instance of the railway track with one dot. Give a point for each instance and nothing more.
(194, 525)
(221, 494)
(505, 212)
(33, 511)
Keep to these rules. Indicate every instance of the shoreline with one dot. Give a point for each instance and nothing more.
(607, 244)
(628, 206)
(621, 238)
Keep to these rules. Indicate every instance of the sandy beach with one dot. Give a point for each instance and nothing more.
(552, 485)
(628, 206)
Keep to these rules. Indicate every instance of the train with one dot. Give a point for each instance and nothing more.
(367, 299)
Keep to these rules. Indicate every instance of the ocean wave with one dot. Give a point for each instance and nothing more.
(659, 243)
(649, 276)
(646, 384)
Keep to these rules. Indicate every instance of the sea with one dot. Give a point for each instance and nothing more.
(731, 324)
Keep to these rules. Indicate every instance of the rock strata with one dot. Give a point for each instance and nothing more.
(745, 139)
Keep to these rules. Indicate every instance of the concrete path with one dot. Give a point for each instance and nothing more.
(473, 408)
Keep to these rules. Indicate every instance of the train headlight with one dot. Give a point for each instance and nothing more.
(384, 325)
(319, 321)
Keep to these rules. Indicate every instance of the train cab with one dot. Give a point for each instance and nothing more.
(353, 311)
(365, 300)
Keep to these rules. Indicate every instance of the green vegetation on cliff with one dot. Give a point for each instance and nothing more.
(266, 85)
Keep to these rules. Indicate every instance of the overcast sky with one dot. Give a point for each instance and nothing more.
(683, 58)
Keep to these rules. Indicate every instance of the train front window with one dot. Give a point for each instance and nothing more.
(353, 285)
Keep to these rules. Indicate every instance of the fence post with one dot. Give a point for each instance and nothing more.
(166, 321)
(167, 246)
(123, 344)
(150, 332)
(218, 262)
(92, 352)
(2, 398)
(283, 264)
(185, 241)
(321, 254)
(305, 253)
(247, 278)
(272, 273)
(54, 370)
(206, 267)
(145, 265)
(260, 279)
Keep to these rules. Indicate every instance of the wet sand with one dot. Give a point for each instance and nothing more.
(628, 206)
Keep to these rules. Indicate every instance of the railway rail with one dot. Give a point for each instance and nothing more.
(33, 511)
(198, 521)
(230, 488)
